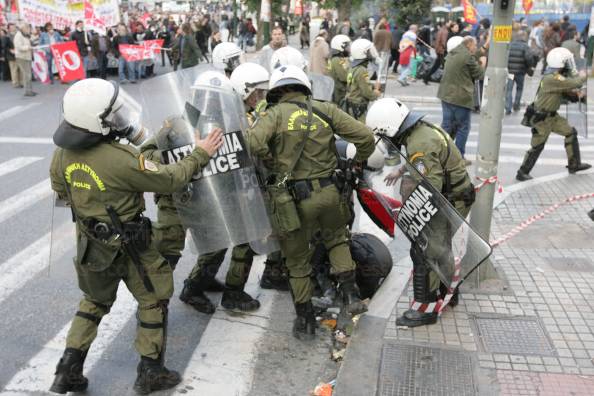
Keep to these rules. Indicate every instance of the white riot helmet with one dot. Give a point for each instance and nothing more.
(213, 80)
(362, 50)
(560, 58)
(287, 75)
(288, 56)
(94, 108)
(340, 43)
(248, 77)
(227, 55)
(390, 117)
(454, 42)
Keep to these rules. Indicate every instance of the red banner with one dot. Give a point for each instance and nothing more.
(68, 61)
(92, 21)
(40, 66)
(147, 50)
(527, 5)
(469, 12)
(298, 7)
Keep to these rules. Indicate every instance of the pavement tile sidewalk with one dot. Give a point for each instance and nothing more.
(532, 336)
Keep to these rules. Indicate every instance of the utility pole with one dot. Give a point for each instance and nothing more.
(490, 128)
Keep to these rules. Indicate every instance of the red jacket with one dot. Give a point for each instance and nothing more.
(408, 53)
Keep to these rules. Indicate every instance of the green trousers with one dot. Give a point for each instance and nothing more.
(540, 135)
(323, 212)
(100, 289)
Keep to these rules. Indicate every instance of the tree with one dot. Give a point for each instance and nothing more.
(411, 11)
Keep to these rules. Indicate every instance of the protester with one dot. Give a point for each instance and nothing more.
(123, 37)
(48, 37)
(186, 46)
(23, 53)
(456, 90)
(407, 52)
(83, 43)
(572, 43)
(3, 62)
(100, 47)
(382, 40)
(521, 62)
(397, 33)
(15, 74)
(304, 33)
(365, 32)
(551, 40)
(536, 38)
(319, 54)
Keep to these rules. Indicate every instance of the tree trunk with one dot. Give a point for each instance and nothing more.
(344, 9)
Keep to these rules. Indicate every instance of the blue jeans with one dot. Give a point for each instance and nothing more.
(519, 81)
(456, 122)
(50, 61)
(405, 71)
(123, 65)
(86, 65)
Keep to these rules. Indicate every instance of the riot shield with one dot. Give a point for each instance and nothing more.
(222, 206)
(576, 108)
(62, 246)
(322, 87)
(436, 231)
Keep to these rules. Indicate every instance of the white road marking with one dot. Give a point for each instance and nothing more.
(6, 114)
(16, 164)
(38, 373)
(21, 201)
(224, 361)
(25, 140)
(25, 265)
(524, 147)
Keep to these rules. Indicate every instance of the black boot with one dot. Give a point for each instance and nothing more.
(576, 164)
(529, 161)
(274, 277)
(349, 292)
(193, 294)
(304, 326)
(413, 318)
(152, 376)
(234, 298)
(69, 377)
(443, 290)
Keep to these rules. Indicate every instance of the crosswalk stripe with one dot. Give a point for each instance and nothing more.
(224, 361)
(524, 147)
(25, 140)
(22, 267)
(6, 114)
(21, 201)
(16, 164)
(38, 373)
(509, 159)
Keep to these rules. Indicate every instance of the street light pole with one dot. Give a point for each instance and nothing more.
(490, 128)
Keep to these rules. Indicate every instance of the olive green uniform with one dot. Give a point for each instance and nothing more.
(171, 237)
(547, 120)
(359, 92)
(114, 174)
(430, 150)
(338, 69)
(277, 135)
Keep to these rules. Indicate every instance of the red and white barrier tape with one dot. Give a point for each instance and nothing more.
(489, 180)
(523, 225)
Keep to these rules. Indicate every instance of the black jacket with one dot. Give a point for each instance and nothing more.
(521, 57)
(82, 44)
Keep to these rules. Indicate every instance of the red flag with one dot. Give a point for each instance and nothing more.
(2, 19)
(68, 61)
(298, 7)
(144, 19)
(527, 5)
(92, 21)
(469, 12)
(40, 66)
(147, 50)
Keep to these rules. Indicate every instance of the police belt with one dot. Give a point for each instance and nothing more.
(301, 189)
(138, 231)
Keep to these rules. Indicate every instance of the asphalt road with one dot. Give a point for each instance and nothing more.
(220, 355)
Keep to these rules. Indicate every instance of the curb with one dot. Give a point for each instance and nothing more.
(358, 374)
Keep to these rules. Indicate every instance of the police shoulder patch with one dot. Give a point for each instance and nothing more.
(420, 165)
(150, 166)
(416, 155)
(559, 77)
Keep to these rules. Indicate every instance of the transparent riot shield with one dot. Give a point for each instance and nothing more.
(222, 206)
(576, 108)
(322, 87)
(437, 232)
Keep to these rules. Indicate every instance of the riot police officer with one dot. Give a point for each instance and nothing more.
(434, 155)
(297, 134)
(227, 56)
(560, 79)
(338, 66)
(103, 180)
(359, 91)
